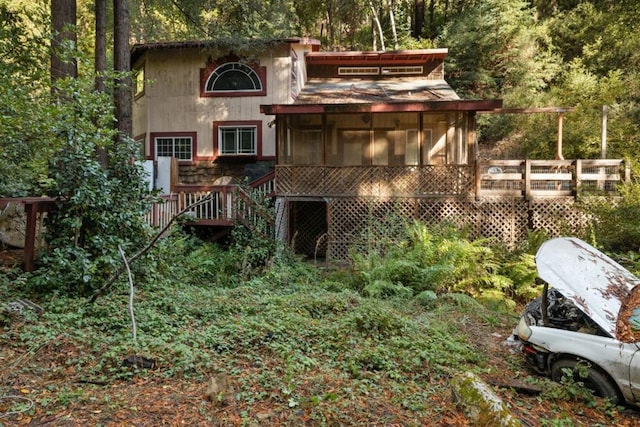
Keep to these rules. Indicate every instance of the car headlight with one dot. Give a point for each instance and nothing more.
(524, 331)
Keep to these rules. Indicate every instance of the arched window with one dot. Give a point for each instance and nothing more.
(233, 77)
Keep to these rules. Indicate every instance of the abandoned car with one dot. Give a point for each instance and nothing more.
(586, 322)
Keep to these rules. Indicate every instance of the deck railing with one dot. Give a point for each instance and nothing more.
(549, 178)
(218, 205)
(495, 178)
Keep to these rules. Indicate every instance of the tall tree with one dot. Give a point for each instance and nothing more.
(122, 64)
(100, 44)
(418, 18)
(100, 62)
(64, 40)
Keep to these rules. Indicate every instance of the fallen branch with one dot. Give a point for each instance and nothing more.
(134, 330)
(98, 293)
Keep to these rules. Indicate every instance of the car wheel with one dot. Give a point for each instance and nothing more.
(596, 380)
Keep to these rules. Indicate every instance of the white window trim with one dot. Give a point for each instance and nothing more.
(155, 142)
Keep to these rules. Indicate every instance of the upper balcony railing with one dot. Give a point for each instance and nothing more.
(496, 178)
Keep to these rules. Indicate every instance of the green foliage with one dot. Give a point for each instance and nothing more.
(24, 110)
(507, 53)
(49, 140)
(98, 208)
(281, 335)
(617, 224)
(404, 259)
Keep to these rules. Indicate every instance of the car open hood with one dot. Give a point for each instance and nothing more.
(590, 279)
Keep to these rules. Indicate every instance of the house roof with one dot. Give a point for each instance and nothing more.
(138, 49)
(386, 90)
(391, 95)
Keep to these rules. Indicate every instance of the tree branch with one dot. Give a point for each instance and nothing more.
(144, 250)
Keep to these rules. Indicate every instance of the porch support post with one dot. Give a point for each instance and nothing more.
(31, 211)
(559, 148)
(603, 138)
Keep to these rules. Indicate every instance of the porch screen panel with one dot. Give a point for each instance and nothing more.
(462, 142)
(348, 139)
(306, 147)
(434, 138)
(395, 139)
(412, 153)
(301, 140)
(382, 140)
(355, 145)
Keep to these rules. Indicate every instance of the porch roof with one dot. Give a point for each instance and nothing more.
(378, 95)
(353, 91)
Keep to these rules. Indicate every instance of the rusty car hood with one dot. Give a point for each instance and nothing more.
(594, 282)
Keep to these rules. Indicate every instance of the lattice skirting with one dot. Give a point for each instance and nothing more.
(505, 220)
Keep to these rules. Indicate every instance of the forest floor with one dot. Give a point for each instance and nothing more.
(149, 400)
(42, 382)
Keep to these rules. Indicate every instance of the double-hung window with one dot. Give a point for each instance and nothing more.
(237, 140)
(180, 147)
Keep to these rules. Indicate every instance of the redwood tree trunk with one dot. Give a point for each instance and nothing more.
(63, 21)
(101, 63)
(101, 43)
(418, 19)
(121, 63)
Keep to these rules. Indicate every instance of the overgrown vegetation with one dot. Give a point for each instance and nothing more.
(297, 343)
(407, 259)
(616, 224)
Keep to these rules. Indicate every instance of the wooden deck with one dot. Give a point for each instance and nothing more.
(496, 178)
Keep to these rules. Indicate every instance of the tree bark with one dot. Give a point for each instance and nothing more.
(122, 66)
(101, 44)
(101, 63)
(63, 21)
(418, 18)
(374, 14)
(392, 21)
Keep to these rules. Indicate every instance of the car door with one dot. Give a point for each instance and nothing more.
(634, 374)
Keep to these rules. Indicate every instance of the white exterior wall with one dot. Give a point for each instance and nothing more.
(172, 101)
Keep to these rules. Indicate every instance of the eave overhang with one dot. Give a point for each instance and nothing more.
(457, 105)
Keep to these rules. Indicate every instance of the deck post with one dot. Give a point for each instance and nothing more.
(578, 180)
(478, 184)
(527, 179)
(559, 148)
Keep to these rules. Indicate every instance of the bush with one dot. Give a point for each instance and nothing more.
(617, 225)
(440, 259)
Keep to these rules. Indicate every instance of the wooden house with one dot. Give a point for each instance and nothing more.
(341, 140)
(373, 136)
(199, 102)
